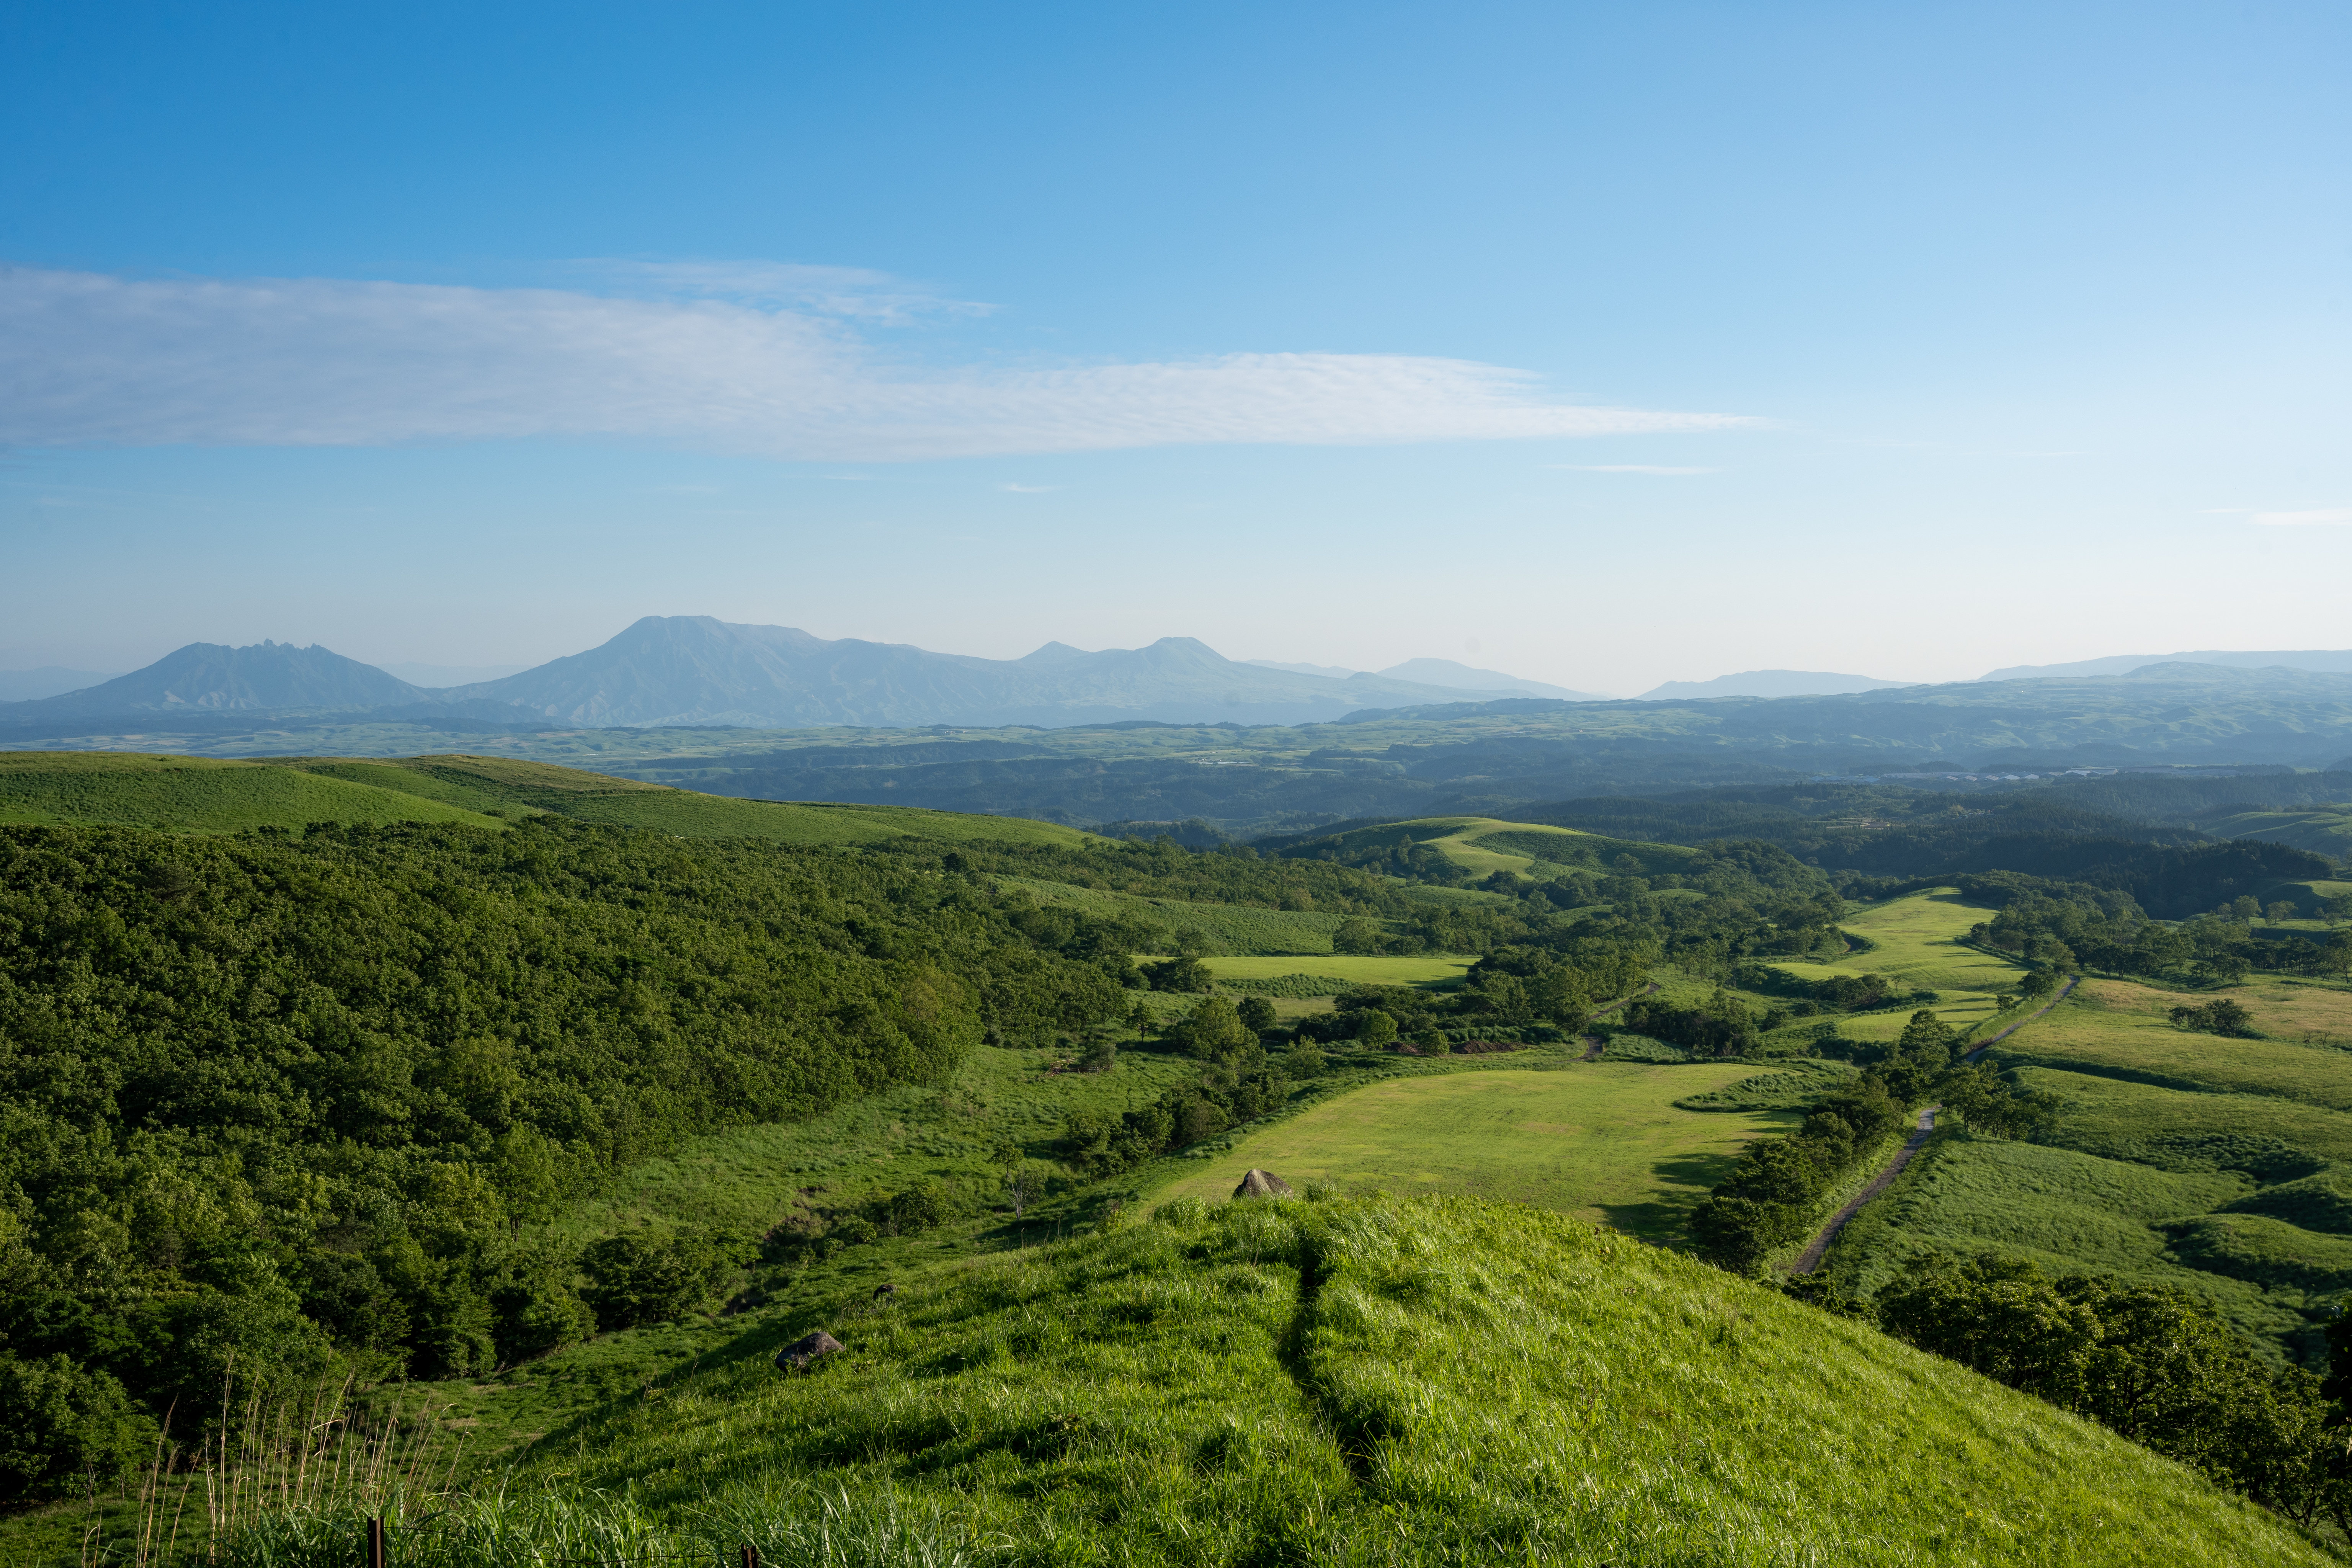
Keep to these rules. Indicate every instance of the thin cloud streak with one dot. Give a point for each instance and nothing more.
(2325, 516)
(1623, 469)
(98, 361)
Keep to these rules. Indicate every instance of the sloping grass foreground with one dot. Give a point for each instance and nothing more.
(1343, 1382)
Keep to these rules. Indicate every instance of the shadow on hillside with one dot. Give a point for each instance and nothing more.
(1688, 1178)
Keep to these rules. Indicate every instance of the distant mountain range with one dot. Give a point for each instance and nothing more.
(1770, 683)
(2326, 663)
(1444, 672)
(686, 671)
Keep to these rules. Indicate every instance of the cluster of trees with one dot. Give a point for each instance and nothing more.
(2220, 1016)
(1774, 1196)
(1831, 993)
(1723, 1027)
(2147, 1362)
(294, 1100)
(2059, 926)
(1236, 1083)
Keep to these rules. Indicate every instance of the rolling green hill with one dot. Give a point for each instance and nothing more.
(1433, 1381)
(206, 795)
(201, 794)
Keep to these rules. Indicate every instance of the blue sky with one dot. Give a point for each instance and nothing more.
(1606, 345)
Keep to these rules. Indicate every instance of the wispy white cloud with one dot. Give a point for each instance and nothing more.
(95, 359)
(2339, 515)
(1028, 489)
(850, 291)
(1624, 468)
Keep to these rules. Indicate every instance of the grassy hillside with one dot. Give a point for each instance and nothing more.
(196, 794)
(1600, 1141)
(1352, 1381)
(200, 795)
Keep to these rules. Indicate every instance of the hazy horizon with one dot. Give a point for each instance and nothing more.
(1601, 347)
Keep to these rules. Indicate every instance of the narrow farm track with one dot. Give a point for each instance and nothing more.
(1593, 1044)
(1810, 1258)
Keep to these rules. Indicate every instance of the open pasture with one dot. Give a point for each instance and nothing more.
(1600, 1141)
(1915, 938)
(2118, 1028)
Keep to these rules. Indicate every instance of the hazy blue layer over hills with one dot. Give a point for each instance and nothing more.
(1445, 672)
(48, 680)
(1768, 683)
(694, 669)
(2339, 662)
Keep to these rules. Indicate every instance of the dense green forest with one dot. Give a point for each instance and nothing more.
(290, 1101)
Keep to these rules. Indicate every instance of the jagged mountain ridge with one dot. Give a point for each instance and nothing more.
(697, 670)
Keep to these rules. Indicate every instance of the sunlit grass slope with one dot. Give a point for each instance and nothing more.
(1434, 1381)
(201, 794)
(1602, 1141)
(184, 794)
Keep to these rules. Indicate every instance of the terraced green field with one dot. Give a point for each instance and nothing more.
(2119, 1029)
(1600, 1141)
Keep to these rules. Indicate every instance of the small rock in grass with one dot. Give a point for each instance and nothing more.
(797, 1356)
(1264, 1184)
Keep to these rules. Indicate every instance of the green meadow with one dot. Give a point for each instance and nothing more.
(1918, 938)
(1602, 1141)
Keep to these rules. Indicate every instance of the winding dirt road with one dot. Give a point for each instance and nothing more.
(1810, 1258)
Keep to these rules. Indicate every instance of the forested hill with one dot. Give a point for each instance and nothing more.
(289, 1097)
